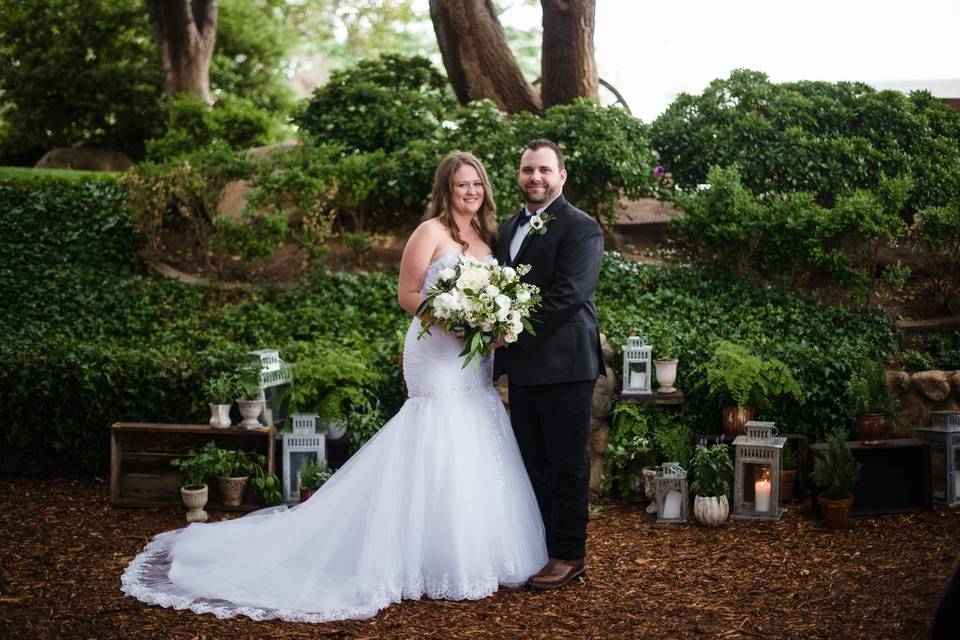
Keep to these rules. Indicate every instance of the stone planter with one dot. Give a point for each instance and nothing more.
(250, 410)
(711, 511)
(195, 498)
(735, 419)
(232, 489)
(788, 483)
(666, 375)
(336, 429)
(220, 416)
(836, 511)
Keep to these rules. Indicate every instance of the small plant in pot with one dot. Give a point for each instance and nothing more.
(712, 471)
(745, 383)
(836, 472)
(313, 474)
(193, 486)
(235, 468)
(247, 390)
(219, 391)
(665, 363)
(788, 473)
(871, 401)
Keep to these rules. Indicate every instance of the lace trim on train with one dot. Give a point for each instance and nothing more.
(148, 572)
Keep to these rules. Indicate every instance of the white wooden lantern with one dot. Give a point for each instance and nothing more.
(943, 438)
(296, 449)
(756, 489)
(276, 383)
(304, 424)
(636, 367)
(673, 497)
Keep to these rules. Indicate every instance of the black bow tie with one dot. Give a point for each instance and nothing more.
(525, 217)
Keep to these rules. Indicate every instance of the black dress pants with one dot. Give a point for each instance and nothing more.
(552, 426)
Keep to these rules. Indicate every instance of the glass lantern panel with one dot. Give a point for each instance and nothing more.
(638, 376)
(757, 487)
(938, 473)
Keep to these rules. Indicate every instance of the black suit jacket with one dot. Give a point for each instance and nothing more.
(565, 264)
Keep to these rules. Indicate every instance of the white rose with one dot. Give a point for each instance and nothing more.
(502, 301)
(509, 274)
(473, 279)
(523, 295)
(447, 274)
(492, 291)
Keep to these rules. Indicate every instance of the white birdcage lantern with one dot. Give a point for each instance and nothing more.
(756, 490)
(304, 424)
(636, 367)
(943, 438)
(296, 449)
(276, 383)
(670, 485)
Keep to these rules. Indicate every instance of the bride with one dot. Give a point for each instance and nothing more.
(437, 503)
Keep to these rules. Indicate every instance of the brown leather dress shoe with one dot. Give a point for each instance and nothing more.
(556, 574)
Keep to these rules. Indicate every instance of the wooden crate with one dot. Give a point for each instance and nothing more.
(140, 455)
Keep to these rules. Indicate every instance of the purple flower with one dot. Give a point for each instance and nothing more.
(658, 170)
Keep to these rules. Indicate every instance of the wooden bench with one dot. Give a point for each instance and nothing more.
(140, 455)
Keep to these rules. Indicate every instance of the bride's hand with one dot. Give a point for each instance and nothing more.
(497, 344)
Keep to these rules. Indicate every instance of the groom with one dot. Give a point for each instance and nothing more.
(552, 373)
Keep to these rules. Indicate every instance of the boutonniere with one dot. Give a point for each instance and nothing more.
(539, 222)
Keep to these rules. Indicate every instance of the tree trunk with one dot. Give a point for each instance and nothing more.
(477, 58)
(569, 69)
(185, 31)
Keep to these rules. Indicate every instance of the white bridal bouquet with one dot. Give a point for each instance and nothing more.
(482, 301)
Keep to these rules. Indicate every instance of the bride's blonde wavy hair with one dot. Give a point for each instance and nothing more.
(440, 207)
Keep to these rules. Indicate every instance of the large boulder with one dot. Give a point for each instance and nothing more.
(85, 159)
(932, 384)
(915, 412)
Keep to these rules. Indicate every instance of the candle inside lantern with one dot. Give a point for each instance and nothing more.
(671, 505)
(637, 379)
(761, 490)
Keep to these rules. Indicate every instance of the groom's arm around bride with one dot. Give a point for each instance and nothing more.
(552, 374)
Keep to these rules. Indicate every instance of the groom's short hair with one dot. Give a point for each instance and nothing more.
(536, 143)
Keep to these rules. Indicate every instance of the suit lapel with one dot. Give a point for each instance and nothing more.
(552, 209)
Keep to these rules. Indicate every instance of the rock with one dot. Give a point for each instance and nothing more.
(596, 473)
(898, 379)
(602, 395)
(933, 384)
(233, 199)
(915, 412)
(599, 433)
(84, 159)
(955, 383)
(606, 349)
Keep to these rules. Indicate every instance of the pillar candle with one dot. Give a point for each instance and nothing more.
(671, 505)
(762, 491)
(638, 379)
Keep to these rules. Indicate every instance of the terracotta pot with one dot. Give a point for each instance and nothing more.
(836, 511)
(195, 498)
(711, 511)
(232, 489)
(788, 482)
(872, 427)
(735, 419)
(306, 493)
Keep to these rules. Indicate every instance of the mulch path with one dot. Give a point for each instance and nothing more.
(64, 548)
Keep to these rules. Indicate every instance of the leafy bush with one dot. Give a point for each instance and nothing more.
(936, 237)
(735, 375)
(253, 237)
(826, 139)
(868, 391)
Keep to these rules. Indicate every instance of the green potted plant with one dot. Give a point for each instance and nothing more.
(193, 486)
(712, 471)
(836, 473)
(744, 383)
(247, 381)
(788, 473)
(219, 391)
(234, 468)
(665, 358)
(629, 450)
(871, 401)
(313, 474)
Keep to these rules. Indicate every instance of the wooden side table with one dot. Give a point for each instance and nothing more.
(140, 455)
(895, 476)
(670, 400)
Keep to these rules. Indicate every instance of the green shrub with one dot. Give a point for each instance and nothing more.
(253, 237)
(936, 237)
(868, 391)
(835, 470)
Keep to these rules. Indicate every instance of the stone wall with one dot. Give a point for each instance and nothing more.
(923, 392)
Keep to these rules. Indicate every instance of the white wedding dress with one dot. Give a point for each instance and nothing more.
(437, 503)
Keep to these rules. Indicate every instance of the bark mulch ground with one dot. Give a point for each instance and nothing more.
(64, 548)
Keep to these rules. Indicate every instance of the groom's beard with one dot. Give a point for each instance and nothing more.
(530, 197)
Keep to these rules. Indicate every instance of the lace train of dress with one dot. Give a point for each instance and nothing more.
(437, 503)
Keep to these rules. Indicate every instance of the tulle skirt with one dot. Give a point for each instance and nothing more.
(437, 503)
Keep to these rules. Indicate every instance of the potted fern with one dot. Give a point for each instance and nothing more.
(836, 472)
(745, 383)
(712, 471)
